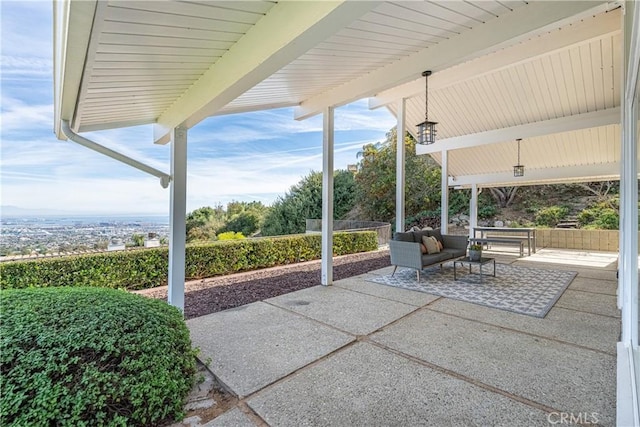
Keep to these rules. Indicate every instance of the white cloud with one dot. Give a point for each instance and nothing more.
(17, 115)
(357, 116)
(273, 124)
(254, 156)
(27, 28)
(21, 67)
(89, 195)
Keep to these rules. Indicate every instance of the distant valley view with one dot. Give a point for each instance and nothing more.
(32, 235)
(365, 192)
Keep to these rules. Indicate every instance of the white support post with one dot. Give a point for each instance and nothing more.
(327, 197)
(177, 226)
(627, 409)
(628, 262)
(444, 199)
(473, 210)
(400, 171)
(628, 265)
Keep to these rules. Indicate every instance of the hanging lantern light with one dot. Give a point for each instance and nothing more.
(426, 129)
(518, 170)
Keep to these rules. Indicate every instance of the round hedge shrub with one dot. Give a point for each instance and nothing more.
(92, 356)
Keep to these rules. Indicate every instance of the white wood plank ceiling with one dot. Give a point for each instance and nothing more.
(581, 78)
(149, 53)
(497, 65)
(390, 32)
(576, 80)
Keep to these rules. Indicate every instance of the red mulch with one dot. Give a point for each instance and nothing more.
(221, 293)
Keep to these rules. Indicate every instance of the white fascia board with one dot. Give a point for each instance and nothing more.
(114, 125)
(581, 173)
(583, 32)
(89, 62)
(530, 130)
(69, 53)
(505, 30)
(287, 31)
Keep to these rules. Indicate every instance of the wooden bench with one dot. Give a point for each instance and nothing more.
(503, 240)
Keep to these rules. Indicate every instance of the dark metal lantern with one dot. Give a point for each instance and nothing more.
(518, 170)
(426, 129)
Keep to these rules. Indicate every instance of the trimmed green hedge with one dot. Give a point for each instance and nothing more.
(148, 268)
(92, 357)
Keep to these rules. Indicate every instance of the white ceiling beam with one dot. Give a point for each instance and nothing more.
(529, 130)
(287, 31)
(505, 30)
(565, 174)
(242, 109)
(583, 32)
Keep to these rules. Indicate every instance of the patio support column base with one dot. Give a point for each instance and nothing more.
(327, 198)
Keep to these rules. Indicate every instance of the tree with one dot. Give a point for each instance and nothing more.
(304, 200)
(504, 196)
(601, 188)
(245, 217)
(137, 240)
(369, 151)
(204, 223)
(376, 180)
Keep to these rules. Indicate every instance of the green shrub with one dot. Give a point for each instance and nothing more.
(459, 202)
(608, 220)
(600, 216)
(231, 235)
(92, 357)
(487, 211)
(551, 216)
(148, 268)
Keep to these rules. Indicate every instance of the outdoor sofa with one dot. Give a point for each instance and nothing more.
(406, 252)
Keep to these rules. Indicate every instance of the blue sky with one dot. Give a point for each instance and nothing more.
(253, 156)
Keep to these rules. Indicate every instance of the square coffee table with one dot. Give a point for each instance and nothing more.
(479, 263)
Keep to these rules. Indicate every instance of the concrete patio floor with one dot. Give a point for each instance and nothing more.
(359, 353)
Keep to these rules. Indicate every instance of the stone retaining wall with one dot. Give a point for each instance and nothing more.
(595, 240)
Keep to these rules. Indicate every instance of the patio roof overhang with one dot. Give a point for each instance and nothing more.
(501, 70)
(551, 73)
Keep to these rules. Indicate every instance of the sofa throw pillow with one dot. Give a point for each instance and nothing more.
(432, 245)
(437, 234)
(423, 248)
(440, 245)
(418, 235)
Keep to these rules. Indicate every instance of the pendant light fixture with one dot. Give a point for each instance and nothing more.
(426, 129)
(518, 170)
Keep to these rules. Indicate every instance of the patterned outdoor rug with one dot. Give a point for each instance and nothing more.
(530, 291)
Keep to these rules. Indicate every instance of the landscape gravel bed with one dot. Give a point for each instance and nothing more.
(221, 293)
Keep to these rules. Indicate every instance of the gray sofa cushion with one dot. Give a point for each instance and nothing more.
(454, 253)
(417, 235)
(435, 258)
(403, 237)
